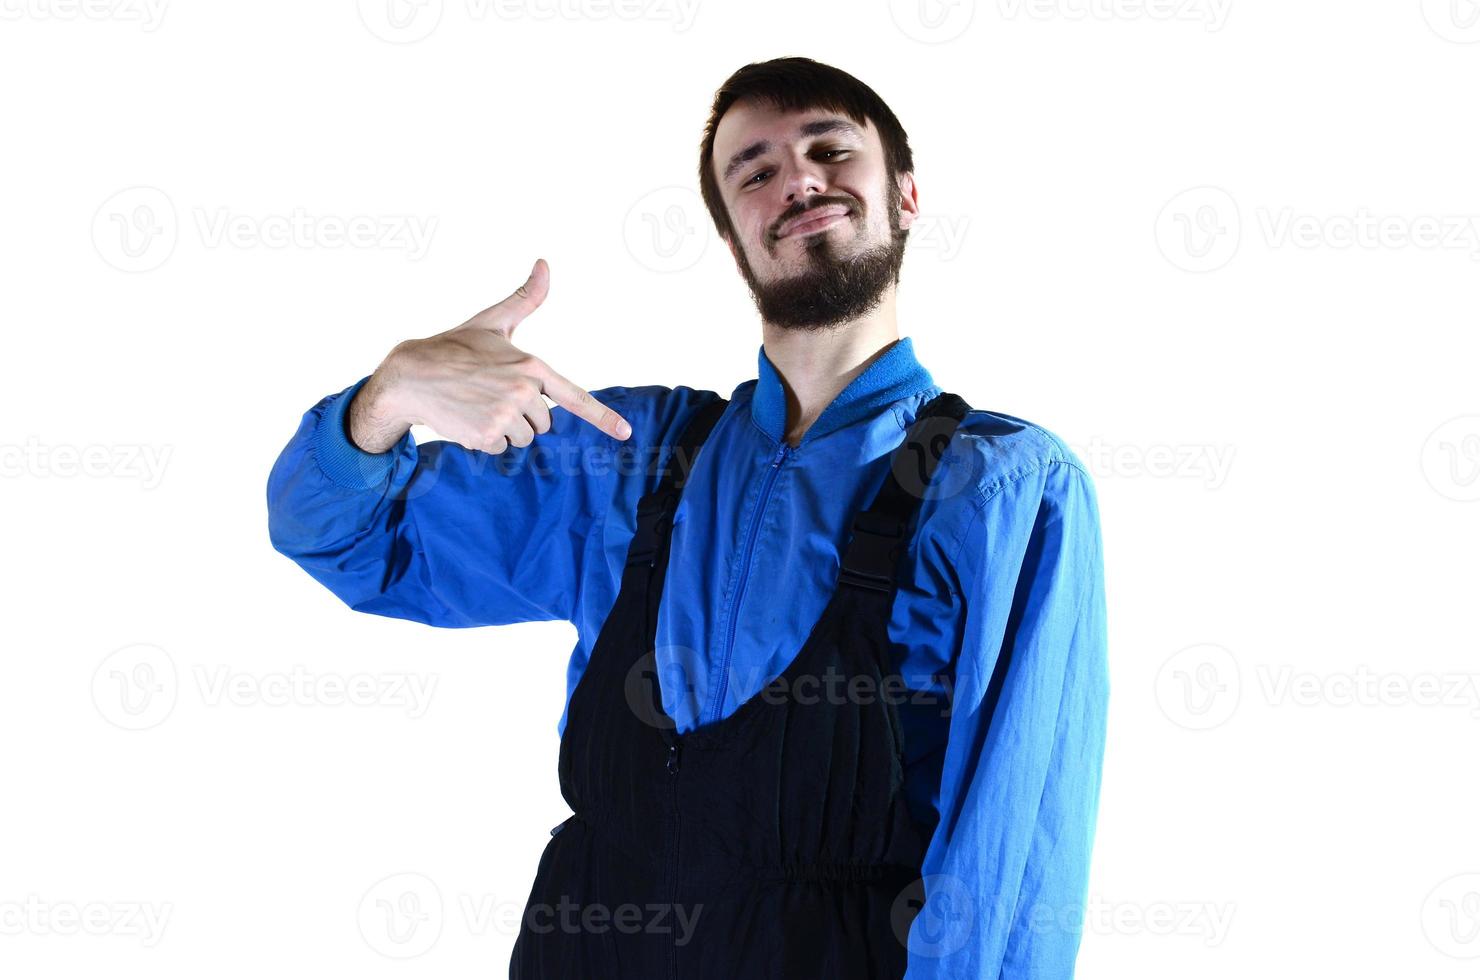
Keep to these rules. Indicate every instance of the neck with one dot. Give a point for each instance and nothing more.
(816, 365)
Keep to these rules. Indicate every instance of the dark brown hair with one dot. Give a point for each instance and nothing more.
(794, 85)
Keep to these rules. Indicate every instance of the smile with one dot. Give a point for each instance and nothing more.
(816, 224)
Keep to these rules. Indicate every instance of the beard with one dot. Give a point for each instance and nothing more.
(835, 286)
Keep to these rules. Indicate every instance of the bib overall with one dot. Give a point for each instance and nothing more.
(772, 843)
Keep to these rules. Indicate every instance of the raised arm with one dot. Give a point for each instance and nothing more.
(490, 527)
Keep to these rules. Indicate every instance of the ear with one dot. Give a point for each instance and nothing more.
(909, 201)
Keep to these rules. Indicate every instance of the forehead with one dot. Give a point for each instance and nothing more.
(751, 128)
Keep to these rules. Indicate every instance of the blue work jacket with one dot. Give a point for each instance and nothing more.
(998, 623)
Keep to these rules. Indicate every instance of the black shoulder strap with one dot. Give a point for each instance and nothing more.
(656, 507)
(878, 532)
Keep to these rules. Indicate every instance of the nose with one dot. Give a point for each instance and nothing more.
(803, 180)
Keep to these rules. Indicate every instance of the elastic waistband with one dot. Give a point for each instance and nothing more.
(892, 873)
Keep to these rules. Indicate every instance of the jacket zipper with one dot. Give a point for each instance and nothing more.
(782, 451)
(672, 766)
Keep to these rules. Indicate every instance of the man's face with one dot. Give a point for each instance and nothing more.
(779, 170)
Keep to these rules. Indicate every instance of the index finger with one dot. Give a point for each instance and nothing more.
(579, 401)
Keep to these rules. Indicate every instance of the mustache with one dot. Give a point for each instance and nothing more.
(791, 214)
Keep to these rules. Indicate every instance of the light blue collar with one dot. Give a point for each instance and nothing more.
(893, 375)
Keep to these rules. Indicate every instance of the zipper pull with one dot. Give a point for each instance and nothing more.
(673, 757)
(781, 452)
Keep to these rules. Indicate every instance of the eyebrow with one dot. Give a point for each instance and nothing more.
(815, 128)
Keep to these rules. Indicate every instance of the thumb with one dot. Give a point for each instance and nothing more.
(507, 314)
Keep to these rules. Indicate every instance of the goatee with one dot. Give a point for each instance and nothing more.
(835, 287)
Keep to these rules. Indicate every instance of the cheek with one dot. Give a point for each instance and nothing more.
(754, 225)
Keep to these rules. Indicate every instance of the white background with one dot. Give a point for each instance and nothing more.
(1224, 249)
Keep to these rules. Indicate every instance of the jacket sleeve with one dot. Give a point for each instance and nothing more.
(440, 534)
(1007, 869)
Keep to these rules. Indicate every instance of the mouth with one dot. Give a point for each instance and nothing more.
(814, 220)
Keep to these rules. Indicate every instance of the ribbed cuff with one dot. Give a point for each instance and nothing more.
(341, 460)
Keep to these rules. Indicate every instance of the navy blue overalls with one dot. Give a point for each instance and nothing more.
(772, 843)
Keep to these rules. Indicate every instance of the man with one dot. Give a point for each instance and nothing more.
(756, 817)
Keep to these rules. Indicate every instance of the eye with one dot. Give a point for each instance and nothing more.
(822, 153)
